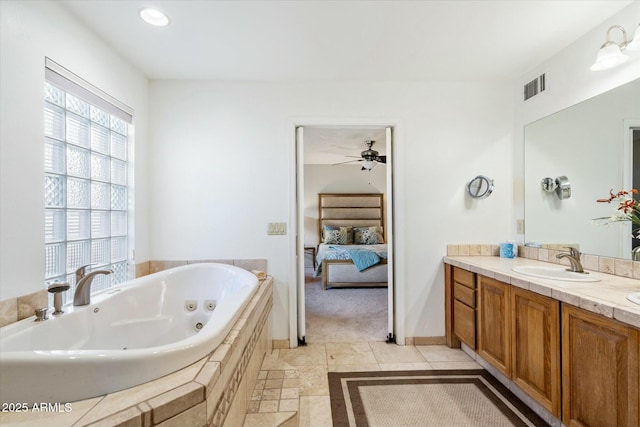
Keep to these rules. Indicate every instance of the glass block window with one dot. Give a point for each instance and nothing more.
(85, 190)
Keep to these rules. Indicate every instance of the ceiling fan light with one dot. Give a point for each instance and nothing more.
(368, 164)
(610, 55)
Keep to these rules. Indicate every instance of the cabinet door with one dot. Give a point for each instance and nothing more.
(494, 320)
(536, 347)
(599, 370)
(464, 323)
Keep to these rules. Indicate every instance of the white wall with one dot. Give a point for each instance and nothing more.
(29, 31)
(570, 81)
(221, 169)
(336, 179)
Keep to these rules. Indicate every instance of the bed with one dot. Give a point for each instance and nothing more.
(352, 251)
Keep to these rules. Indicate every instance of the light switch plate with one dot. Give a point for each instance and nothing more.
(277, 228)
(520, 226)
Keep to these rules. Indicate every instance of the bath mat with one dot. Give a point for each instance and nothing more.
(459, 398)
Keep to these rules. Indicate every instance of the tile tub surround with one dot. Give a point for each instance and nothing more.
(615, 266)
(213, 392)
(607, 297)
(15, 309)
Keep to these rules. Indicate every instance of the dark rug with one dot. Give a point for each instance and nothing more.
(425, 398)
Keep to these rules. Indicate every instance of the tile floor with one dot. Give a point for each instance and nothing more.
(296, 379)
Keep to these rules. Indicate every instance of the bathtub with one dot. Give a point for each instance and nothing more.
(133, 333)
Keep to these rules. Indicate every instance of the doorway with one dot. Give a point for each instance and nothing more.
(331, 143)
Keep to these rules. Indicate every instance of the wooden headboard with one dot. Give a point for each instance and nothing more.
(356, 209)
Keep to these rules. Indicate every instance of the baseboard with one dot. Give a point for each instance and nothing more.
(280, 344)
(425, 340)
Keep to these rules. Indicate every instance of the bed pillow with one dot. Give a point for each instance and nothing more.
(368, 235)
(334, 235)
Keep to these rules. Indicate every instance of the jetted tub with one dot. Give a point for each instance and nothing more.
(130, 334)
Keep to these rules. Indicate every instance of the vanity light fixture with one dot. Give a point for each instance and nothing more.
(611, 53)
(154, 17)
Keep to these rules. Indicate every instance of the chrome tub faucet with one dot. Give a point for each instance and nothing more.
(82, 295)
(574, 259)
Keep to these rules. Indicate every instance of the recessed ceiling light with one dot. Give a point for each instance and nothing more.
(154, 17)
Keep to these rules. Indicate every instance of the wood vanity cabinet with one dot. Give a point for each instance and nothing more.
(494, 323)
(600, 379)
(584, 368)
(535, 350)
(464, 306)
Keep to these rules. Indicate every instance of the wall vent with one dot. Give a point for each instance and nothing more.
(535, 86)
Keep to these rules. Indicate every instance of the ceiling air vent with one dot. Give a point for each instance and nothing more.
(534, 87)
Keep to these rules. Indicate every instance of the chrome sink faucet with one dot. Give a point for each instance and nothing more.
(574, 259)
(82, 295)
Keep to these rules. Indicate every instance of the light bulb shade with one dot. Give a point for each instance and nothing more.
(368, 164)
(609, 56)
(634, 44)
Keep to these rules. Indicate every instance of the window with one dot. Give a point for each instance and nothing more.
(85, 184)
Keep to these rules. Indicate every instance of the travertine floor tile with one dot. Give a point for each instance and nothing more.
(309, 355)
(391, 353)
(288, 405)
(414, 366)
(455, 365)
(272, 361)
(355, 368)
(290, 393)
(350, 354)
(442, 353)
(315, 411)
(313, 381)
(268, 406)
(267, 419)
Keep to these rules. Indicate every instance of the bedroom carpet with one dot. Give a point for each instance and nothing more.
(344, 314)
(469, 398)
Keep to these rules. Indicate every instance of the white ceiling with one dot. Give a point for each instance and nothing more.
(267, 40)
(331, 145)
(343, 40)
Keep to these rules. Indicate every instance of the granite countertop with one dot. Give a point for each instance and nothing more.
(607, 297)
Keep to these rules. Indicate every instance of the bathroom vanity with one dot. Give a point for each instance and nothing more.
(573, 347)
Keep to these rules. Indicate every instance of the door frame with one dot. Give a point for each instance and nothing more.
(297, 251)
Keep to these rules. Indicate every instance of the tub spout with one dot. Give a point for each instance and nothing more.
(82, 295)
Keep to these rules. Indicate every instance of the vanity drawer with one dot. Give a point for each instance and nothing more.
(464, 294)
(464, 323)
(464, 277)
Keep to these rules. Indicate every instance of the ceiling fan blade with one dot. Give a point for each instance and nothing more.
(348, 161)
(381, 159)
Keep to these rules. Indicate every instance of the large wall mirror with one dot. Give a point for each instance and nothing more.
(590, 143)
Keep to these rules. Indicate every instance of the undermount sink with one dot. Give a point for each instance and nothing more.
(556, 273)
(634, 297)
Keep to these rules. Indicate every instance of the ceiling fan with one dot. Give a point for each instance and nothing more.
(368, 157)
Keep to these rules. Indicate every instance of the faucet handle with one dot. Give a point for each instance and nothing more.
(41, 314)
(81, 271)
(573, 251)
(58, 287)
